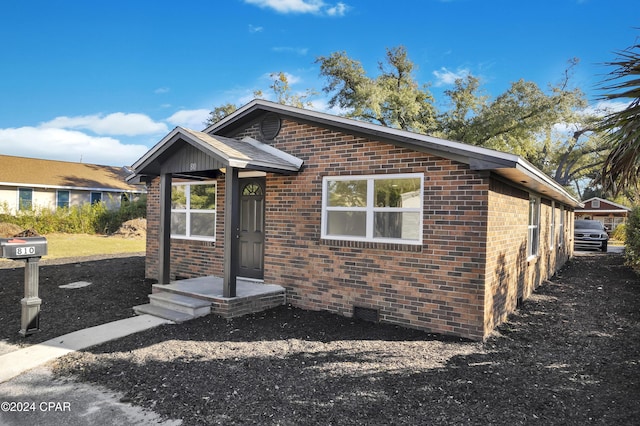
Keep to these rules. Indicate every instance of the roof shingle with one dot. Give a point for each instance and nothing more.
(23, 171)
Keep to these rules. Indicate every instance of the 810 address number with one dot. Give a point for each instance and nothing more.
(25, 251)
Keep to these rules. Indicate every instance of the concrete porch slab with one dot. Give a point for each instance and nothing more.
(251, 296)
(210, 288)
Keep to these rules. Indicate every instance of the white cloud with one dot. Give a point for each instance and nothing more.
(302, 6)
(605, 107)
(161, 90)
(255, 29)
(297, 50)
(191, 119)
(599, 109)
(289, 6)
(444, 77)
(68, 145)
(339, 9)
(117, 123)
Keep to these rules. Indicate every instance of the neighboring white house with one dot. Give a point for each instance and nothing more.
(28, 183)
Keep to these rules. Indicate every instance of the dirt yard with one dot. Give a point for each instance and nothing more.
(570, 356)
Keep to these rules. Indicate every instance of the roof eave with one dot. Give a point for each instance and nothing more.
(478, 158)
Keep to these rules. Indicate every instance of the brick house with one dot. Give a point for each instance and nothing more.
(354, 218)
(609, 213)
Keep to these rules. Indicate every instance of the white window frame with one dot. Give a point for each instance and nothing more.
(19, 203)
(370, 209)
(533, 227)
(561, 227)
(595, 204)
(552, 226)
(58, 192)
(188, 210)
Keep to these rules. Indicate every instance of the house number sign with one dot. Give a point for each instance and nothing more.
(25, 251)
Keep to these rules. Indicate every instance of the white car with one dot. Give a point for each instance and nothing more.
(590, 234)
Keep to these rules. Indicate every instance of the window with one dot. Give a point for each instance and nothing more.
(533, 237)
(25, 198)
(561, 227)
(62, 199)
(595, 204)
(383, 208)
(96, 197)
(552, 226)
(193, 210)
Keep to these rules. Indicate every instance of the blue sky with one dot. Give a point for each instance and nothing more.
(102, 82)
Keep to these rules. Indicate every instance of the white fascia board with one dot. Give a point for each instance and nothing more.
(535, 173)
(238, 164)
(602, 200)
(602, 211)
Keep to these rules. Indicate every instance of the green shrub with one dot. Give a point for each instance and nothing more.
(619, 233)
(83, 219)
(632, 238)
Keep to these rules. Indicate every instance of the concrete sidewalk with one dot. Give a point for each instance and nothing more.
(17, 362)
(30, 394)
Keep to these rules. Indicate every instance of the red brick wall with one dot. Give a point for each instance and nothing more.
(438, 286)
(511, 276)
(452, 284)
(188, 258)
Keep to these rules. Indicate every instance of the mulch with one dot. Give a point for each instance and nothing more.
(569, 356)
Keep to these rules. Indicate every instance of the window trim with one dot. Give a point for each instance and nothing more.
(552, 226)
(19, 203)
(91, 197)
(370, 209)
(533, 229)
(58, 192)
(187, 211)
(561, 226)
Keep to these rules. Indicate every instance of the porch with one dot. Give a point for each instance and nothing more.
(186, 299)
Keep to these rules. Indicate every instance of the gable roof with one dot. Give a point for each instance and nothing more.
(228, 152)
(38, 173)
(510, 166)
(606, 206)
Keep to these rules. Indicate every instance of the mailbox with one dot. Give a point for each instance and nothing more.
(23, 247)
(29, 249)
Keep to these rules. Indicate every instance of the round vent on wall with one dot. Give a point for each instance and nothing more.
(270, 126)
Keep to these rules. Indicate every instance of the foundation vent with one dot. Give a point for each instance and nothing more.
(367, 314)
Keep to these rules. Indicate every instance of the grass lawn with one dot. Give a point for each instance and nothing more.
(75, 245)
(79, 245)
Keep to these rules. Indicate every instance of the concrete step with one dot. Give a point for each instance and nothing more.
(165, 313)
(179, 303)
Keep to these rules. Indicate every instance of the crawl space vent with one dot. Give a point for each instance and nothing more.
(270, 126)
(367, 314)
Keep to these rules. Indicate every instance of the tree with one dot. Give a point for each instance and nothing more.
(622, 128)
(549, 129)
(282, 91)
(524, 120)
(392, 99)
(466, 103)
(284, 94)
(219, 113)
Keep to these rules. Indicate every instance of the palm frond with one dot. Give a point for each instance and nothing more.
(622, 128)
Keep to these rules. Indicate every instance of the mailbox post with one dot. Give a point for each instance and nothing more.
(29, 249)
